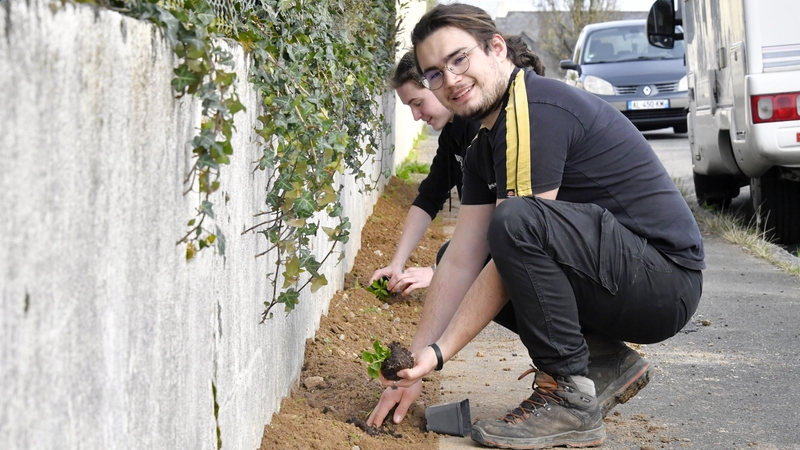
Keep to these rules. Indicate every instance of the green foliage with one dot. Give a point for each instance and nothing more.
(410, 165)
(407, 168)
(319, 84)
(376, 358)
(204, 70)
(319, 68)
(379, 288)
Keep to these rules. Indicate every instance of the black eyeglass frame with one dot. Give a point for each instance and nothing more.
(450, 68)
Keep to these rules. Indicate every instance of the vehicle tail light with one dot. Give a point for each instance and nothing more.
(776, 107)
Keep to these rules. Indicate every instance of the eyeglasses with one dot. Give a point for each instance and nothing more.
(457, 64)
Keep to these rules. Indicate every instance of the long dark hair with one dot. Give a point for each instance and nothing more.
(521, 55)
(477, 23)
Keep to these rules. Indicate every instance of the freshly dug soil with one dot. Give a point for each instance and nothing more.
(329, 408)
(401, 358)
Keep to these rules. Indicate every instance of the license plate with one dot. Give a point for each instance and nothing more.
(648, 104)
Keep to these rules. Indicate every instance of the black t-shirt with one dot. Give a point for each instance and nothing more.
(446, 167)
(551, 135)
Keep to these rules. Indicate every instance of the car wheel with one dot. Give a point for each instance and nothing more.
(682, 128)
(715, 191)
(777, 204)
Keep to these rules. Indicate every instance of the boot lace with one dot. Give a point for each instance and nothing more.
(541, 398)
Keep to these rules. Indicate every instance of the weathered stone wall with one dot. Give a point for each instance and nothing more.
(108, 337)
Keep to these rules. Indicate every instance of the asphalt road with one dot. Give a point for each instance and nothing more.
(729, 380)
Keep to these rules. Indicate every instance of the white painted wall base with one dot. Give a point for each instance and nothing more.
(109, 339)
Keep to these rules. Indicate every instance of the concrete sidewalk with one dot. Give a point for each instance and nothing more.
(728, 380)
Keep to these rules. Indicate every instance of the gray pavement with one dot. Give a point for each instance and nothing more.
(729, 380)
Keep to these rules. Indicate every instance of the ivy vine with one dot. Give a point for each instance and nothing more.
(319, 68)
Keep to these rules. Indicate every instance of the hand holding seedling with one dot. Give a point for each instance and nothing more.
(389, 272)
(386, 362)
(408, 389)
(413, 278)
(424, 363)
(405, 281)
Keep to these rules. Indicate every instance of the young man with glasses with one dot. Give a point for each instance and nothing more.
(590, 239)
(456, 134)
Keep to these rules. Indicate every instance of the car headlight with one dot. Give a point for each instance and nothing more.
(683, 85)
(597, 86)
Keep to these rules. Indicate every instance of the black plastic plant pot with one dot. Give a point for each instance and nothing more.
(449, 418)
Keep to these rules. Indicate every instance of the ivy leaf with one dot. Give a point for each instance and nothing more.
(309, 262)
(207, 208)
(285, 5)
(195, 51)
(225, 78)
(304, 205)
(206, 18)
(184, 78)
(328, 197)
(190, 251)
(172, 24)
(331, 232)
(289, 299)
(318, 282)
(234, 105)
(205, 139)
(297, 223)
(220, 242)
(267, 161)
(292, 269)
(283, 184)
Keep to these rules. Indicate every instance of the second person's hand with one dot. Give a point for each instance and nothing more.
(412, 278)
(389, 272)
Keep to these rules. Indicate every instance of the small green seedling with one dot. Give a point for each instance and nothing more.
(375, 360)
(379, 288)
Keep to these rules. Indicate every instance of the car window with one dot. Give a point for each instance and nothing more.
(625, 43)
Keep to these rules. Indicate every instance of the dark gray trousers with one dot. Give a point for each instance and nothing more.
(572, 269)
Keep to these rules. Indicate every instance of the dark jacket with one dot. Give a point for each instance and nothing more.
(446, 167)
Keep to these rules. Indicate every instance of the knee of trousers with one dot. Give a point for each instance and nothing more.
(515, 219)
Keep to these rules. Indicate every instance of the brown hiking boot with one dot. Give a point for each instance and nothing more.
(556, 414)
(617, 370)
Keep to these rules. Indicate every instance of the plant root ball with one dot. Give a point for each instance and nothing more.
(399, 359)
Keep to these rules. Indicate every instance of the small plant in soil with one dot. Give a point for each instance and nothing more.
(379, 288)
(387, 361)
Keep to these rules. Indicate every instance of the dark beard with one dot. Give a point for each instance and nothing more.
(483, 113)
(486, 110)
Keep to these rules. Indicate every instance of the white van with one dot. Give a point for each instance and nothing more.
(743, 67)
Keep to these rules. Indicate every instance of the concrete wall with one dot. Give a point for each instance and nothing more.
(407, 129)
(109, 339)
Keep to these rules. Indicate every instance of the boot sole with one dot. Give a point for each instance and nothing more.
(574, 439)
(637, 376)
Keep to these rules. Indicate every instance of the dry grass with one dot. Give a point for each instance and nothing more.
(734, 230)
